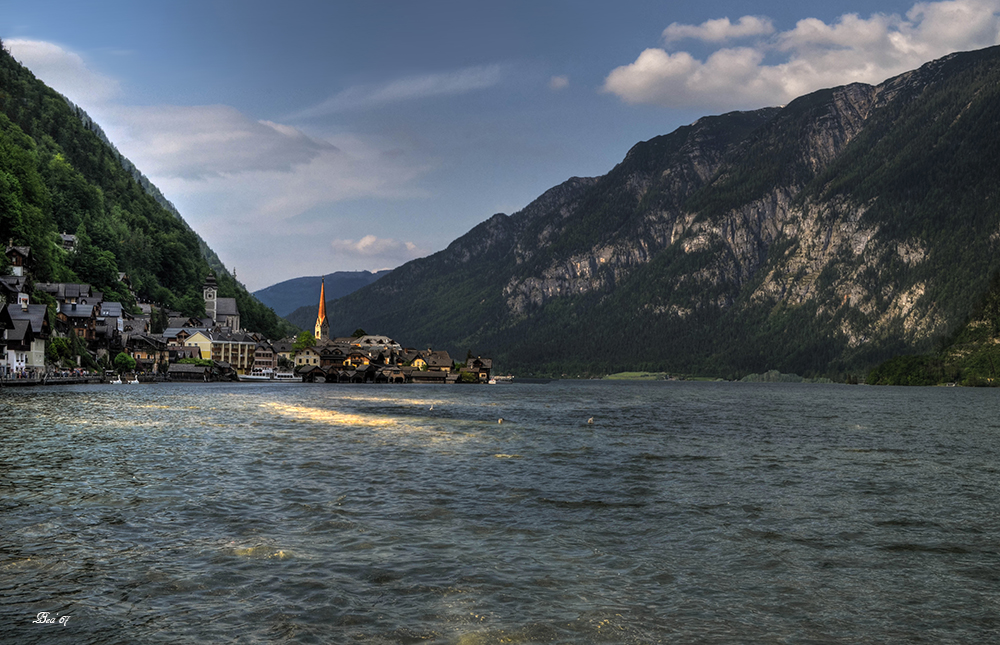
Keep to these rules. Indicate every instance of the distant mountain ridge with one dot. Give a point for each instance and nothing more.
(819, 238)
(285, 297)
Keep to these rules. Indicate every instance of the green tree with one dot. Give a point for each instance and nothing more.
(303, 340)
(124, 363)
(57, 350)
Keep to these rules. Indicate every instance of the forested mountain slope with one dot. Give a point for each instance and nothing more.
(57, 175)
(853, 224)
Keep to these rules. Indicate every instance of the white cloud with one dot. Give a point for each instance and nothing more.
(717, 31)
(557, 83)
(810, 56)
(371, 246)
(197, 142)
(460, 81)
(64, 71)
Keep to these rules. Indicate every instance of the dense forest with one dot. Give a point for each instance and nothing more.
(59, 175)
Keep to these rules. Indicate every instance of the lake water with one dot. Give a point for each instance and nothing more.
(684, 513)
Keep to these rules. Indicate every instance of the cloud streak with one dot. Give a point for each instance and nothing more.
(778, 67)
(409, 88)
(63, 70)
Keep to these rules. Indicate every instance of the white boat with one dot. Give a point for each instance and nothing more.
(117, 381)
(256, 375)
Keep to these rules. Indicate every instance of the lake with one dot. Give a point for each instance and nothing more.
(596, 512)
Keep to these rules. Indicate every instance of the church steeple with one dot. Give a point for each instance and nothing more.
(322, 326)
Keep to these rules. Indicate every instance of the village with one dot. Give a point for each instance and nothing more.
(36, 344)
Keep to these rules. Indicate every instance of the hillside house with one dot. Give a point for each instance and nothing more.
(35, 315)
(19, 257)
(78, 319)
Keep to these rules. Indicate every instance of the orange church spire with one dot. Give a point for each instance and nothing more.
(322, 326)
(322, 300)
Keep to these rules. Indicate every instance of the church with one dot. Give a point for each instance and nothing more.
(322, 331)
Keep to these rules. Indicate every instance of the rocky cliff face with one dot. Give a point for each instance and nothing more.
(852, 223)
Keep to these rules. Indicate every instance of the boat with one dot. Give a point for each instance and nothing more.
(257, 375)
(117, 381)
(501, 379)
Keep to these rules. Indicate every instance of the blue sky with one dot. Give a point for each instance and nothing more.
(305, 137)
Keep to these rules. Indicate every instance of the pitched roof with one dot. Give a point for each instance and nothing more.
(440, 358)
(71, 310)
(34, 313)
(21, 329)
(111, 309)
(226, 307)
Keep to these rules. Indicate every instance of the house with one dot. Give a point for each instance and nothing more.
(357, 358)
(483, 367)
(185, 372)
(68, 242)
(438, 361)
(284, 348)
(332, 357)
(264, 357)
(70, 292)
(19, 256)
(78, 319)
(148, 351)
(12, 290)
(307, 356)
(35, 315)
(18, 345)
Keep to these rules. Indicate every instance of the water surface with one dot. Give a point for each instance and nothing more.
(684, 512)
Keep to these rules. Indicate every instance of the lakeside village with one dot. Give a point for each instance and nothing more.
(213, 348)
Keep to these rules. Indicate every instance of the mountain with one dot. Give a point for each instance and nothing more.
(971, 356)
(60, 174)
(285, 297)
(819, 238)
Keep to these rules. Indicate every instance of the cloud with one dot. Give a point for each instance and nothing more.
(557, 83)
(64, 71)
(197, 142)
(811, 56)
(371, 246)
(717, 31)
(410, 88)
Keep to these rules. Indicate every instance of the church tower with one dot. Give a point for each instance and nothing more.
(210, 291)
(322, 326)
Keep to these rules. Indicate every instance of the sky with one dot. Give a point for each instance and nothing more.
(306, 137)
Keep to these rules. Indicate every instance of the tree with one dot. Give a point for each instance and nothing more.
(358, 333)
(303, 340)
(124, 363)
